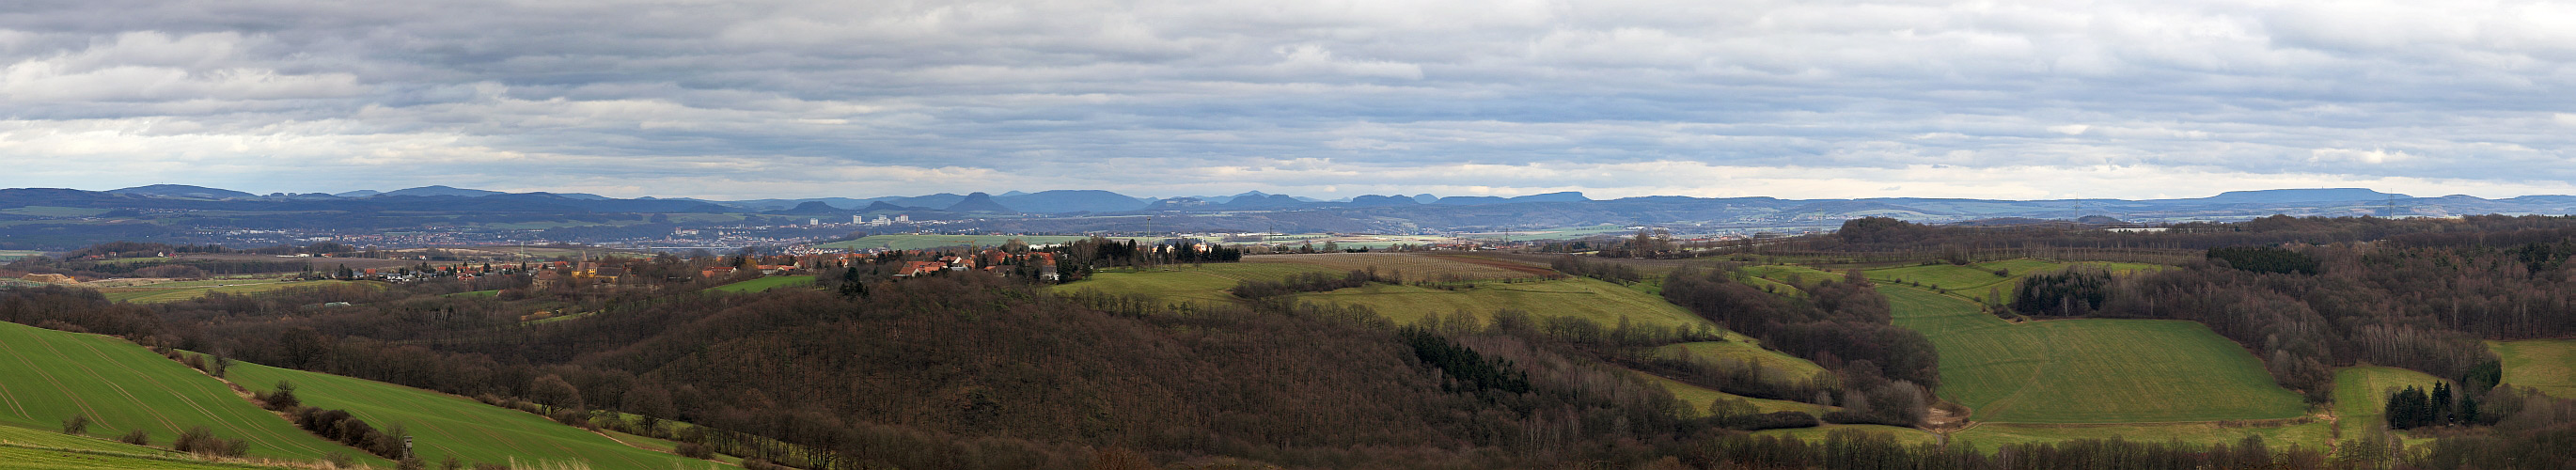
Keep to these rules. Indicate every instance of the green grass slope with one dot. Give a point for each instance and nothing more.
(2361, 393)
(2089, 371)
(1978, 281)
(1698, 398)
(1774, 363)
(47, 376)
(446, 425)
(25, 458)
(49, 439)
(182, 293)
(2548, 365)
(1906, 436)
(1594, 299)
(1989, 436)
(1202, 283)
(763, 284)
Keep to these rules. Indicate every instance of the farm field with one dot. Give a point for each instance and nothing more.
(1906, 436)
(1698, 398)
(2548, 365)
(158, 294)
(49, 439)
(2361, 393)
(1202, 283)
(2088, 370)
(14, 255)
(1785, 367)
(1432, 267)
(763, 284)
(1978, 280)
(47, 376)
(1989, 436)
(446, 425)
(1593, 299)
(24, 458)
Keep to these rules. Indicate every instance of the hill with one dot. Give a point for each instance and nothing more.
(47, 376)
(181, 190)
(2088, 370)
(440, 191)
(450, 426)
(1065, 200)
(979, 202)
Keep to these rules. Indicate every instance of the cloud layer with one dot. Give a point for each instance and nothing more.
(1798, 99)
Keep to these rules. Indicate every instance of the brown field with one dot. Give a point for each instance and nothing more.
(1414, 266)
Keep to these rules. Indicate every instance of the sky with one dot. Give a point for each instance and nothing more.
(1322, 98)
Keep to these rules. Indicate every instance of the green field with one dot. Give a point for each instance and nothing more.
(1589, 298)
(1774, 364)
(47, 376)
(156, 294)
(2361, 393)
(763, 284)
(51, 439)
(1907, 436)
(14, 255)
(2089, 370)
(1978, 280)
(446, 425)
(26, 458)
(1988, 436)
(1206, 283)
(480, 294)
(2548, 365)
(1699, 397)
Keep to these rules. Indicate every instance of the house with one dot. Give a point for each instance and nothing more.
(716, 272)
(917, 268)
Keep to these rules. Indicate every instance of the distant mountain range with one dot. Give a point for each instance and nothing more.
(1097, 210)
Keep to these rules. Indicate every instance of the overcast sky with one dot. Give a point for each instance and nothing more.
(1328, 99)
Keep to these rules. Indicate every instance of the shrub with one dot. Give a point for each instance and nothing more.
(200, 440)
(137, 437)
(694, 450)
(77, 425)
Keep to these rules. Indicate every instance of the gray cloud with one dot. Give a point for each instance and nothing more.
(1791, 99)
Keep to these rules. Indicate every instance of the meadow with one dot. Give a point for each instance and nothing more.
(1204, 283)
(1773, 363)
(29, 458)
(1592, 299)
(2318, 435)
(2548, 365)
(1428, 267)
(446, 425)
(14, 255)
(1698, 398)
(1907, 436)
(2089, 370)
(47, 376)
(2361, 393)
(189, 290)
(763, 284)
(1978, 281)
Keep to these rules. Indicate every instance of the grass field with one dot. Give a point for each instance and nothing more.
(1907, 436)
(1785, 367)
(1978, 280)
(158, 294)
(1988, 436)
(445, 425)
(1593, 299)
(1699, 397)
(1413, 266)
(47, 376)
(1206, 283)
(50, 439)
(14, 255)
(26, 458)
(480, 294)
(764, 284)
(2089, 370)
(2548, 365)
(2361, 393)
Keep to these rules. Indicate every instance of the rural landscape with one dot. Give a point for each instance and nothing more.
(1267, 235)
(2272, 343)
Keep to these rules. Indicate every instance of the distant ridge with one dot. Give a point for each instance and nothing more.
(181, 190)
(979, 202)
(441, 191)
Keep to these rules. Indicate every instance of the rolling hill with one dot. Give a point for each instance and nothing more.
(47, 376)
(2088, 370)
